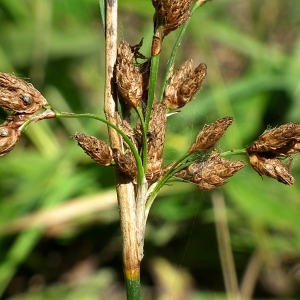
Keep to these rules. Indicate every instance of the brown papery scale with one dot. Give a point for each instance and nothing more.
(96, 149)
(156, 140)
(183, 85)
(8, 138)
(19, 96)
(128, 76)
(215, 171)
(174, 13)
(281, 141)
(210, 134)
(125, 162)
(271, 167)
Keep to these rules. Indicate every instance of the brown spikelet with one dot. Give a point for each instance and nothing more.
(210, 134)
(19, 96)
(281, 141)
(215, 171)
(125, 162)
(135, 135)
(271, 167)
(183, 85)
(191, 85)
(156, 139)
(8, 138)
(128, 76)
(96, 149)
(174, 13)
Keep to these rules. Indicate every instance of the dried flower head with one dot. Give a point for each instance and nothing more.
(125, 162)
(173, 13)
(128, 76)
(183, 85)
(210, 134)
(271, 167)
(156, 140)
(281, 141)
(98, 150)
(19, 96)
(215, 171)
(8, 138)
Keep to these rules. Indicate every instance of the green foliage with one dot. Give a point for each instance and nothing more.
(252, 52)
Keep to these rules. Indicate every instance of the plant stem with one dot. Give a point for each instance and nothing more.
(125, 186)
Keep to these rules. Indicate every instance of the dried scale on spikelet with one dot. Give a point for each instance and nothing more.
(129, 79)
(173, 13)
(210, 134)
(156, 141)
(98, 150)
(271, 154)
(19, 96)
(212, 173)
(22, 100)
(183, 85)
(8, 138)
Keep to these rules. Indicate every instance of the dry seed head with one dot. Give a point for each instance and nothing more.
(96, 149)
(271, 167)
(8, 138)
(128, 76)
(281, 141)
(19, 96)
(210, 134)
(156, 140)
(191, 85)
(173, 12)
(135, 135)
(215, 171)
(183, 85)
(125, 162)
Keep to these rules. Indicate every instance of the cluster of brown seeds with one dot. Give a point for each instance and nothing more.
(212, 173)
(183, 85)
(22, 100)
(271, 154)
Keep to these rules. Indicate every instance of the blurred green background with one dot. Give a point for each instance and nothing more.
(59, 232)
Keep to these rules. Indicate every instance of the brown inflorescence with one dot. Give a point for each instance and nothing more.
(98, 150)
(271, 154)
(184, 84)
(211, 173)
(271, 167)
(210, 134)
(125, 162)
(8, 138)
(156, 140)
(19, 96)
(173, 13)
(129, 78)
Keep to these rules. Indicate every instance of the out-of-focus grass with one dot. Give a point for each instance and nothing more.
(252, 51)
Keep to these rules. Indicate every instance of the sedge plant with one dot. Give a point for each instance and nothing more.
(136, 118)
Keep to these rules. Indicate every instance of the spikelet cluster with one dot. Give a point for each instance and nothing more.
(212, 173)
(272, 153)
(22, 100)
(129, 78)
(98, 150)
(174, 13)
(183, 85)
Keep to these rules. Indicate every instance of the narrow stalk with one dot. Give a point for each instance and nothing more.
(234, 152)
(125, 186)
(227, 262)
